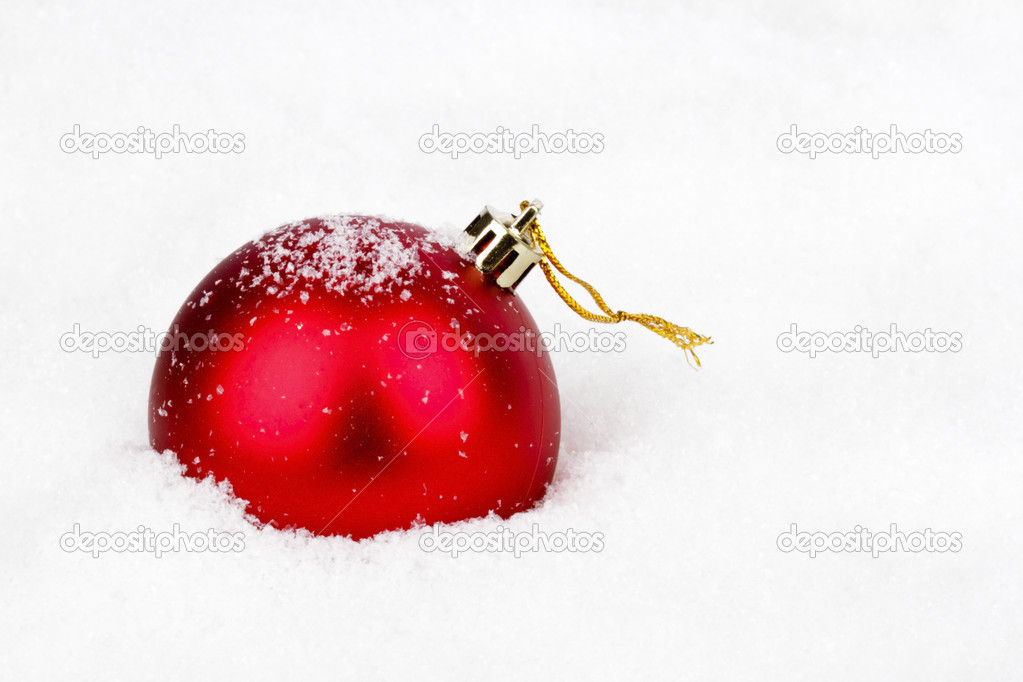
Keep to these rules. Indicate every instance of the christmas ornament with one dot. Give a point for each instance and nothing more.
(350, 374)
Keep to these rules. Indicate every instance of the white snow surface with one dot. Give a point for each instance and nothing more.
(690, 212)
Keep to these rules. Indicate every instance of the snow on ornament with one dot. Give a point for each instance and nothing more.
(356, 395)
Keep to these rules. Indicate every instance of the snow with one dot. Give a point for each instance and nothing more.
(345, 253)
(690, 212)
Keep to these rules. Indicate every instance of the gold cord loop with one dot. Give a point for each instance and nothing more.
(683, 337)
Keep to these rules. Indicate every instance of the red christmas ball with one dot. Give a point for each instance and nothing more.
(350, 375)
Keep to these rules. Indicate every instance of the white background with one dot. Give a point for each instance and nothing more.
(690, 212)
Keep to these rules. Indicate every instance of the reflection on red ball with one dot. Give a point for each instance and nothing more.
(323, 371)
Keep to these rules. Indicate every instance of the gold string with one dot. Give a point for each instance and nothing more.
(683, 337)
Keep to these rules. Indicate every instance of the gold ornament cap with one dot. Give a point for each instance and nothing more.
(503, 243)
